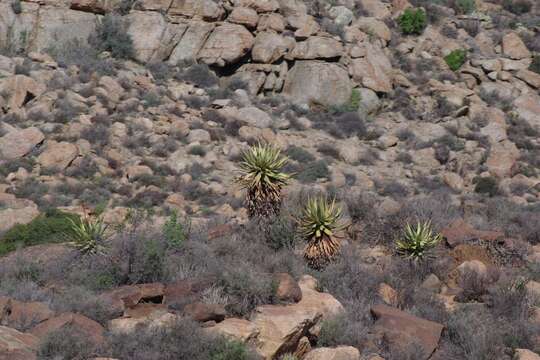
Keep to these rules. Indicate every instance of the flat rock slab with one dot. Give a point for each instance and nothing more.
(403, 330)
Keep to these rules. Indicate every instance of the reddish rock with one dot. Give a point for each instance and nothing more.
(128, 296)
(220, 231)
(183, 292)
(288, 289)
(15, 345)
(205, 312)
(16, 144)
(144, 310)
(21, 315)
(88, 327)
(460, 232)
(401, 329)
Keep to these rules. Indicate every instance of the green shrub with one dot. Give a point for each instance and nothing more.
(175, 231)
(299, 154)
(351, 106)
(465, 6)
(111, 35)
(456, 59)
(535, 64)
(313, 171)
(46, 228)
(16, 6)
(486, 185)
(197, 150)
(413, 21)
(229, 350)
(517, 7)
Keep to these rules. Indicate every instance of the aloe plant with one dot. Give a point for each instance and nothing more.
(318, 225)
(263, 179)
(417, 240)
(88, 235)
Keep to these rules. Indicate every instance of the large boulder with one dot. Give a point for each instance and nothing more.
(207, 10)
(318, 82)
(22, 315)
(524, 354)
(338, 353)
(244, 16)
(95, 6)
(15, 345)
(317, 47)
(92, 330)
(269, 47)
(191, 42)
(514, 48)
(16, 144)
(21, 89)
(59, 25)
(58, 155)
(402, 330)
(239, 329)
(528, 108)
(261, 6)
(227, 44)
(16, 211)
(374, 71)
(14, 28)
(153, 37)
(282, 327)
(502, 159)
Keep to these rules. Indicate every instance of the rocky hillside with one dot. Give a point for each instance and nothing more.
(123, 127)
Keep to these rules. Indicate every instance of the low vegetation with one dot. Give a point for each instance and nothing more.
(413, 21)
(456, 59)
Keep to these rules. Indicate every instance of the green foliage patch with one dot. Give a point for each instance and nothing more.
(49, 227)
(456, 59)
(413, 21)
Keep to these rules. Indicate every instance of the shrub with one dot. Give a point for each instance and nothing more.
(299, 154)
(197, 150)
(80, 53)
(535, 64)
(486, 185)
(351, 106)
(183, 340)
(456, 59)
(517, 7)
(46, 228)
(313, 171)
(175, 231)
(417, 240)
(200, 75)
(464, 6)
(413, 21)
(66, 343)
(111, 35)
(16, 6)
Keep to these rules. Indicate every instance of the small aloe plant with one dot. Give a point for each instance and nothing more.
(263, 179)
(318, 224)
(88, 235)
(417, 240)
